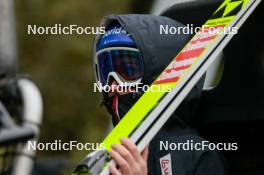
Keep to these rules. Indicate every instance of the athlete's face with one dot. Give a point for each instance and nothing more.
(121, 100)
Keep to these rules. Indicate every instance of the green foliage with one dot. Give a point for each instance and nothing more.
(61, 66)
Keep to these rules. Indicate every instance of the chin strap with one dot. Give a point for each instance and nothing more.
(115, 107)
(112, 105)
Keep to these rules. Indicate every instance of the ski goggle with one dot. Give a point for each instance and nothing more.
(121, 63)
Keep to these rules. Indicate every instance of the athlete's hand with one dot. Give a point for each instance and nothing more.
(129, 160)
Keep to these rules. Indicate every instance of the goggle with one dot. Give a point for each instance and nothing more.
(121, 63)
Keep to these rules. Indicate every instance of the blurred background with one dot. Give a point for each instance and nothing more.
(61, 66)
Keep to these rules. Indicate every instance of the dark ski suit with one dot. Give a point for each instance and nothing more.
(158, 50)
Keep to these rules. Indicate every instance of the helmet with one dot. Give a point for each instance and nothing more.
(118, 58)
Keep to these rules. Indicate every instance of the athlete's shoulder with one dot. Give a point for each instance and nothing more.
(175, 153)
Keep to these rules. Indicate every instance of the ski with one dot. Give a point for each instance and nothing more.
(141, 124)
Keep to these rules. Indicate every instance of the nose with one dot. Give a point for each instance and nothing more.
(113, 86)
(114, 89)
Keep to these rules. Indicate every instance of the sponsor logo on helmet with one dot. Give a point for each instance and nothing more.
(115, 31)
